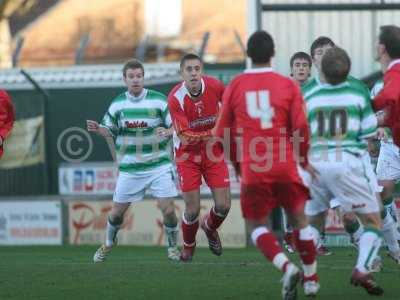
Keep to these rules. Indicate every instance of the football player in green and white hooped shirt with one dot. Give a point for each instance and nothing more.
(341, 120)
(140, 124)
(388, 173)
(351, 224)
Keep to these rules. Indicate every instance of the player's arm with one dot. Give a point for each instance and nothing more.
(167, 129)
(181, 124)
(94, 126)
(7, 116)
(108, 128)
(225, 128)
(386, 100)
(369, 122)
(299, 128)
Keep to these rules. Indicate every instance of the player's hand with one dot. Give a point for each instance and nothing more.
(162, 132)
(312, 171)
(92, 126)
(381, 134)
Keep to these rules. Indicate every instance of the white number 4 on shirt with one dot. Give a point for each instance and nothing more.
(259, 107)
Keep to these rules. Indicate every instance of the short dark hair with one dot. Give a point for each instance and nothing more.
(300, 55)
(260, 47)
(132, 64)
(335, 65)
(189, 56)
(320, 42)
(389, 36)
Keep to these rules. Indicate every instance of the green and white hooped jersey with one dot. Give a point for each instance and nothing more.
(340, 116)
(375, 91)
(132, 122)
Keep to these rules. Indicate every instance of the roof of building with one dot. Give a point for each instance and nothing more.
(84, 76)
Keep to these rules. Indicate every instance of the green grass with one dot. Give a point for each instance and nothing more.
(144, 273)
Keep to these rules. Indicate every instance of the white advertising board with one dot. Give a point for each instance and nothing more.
(30, 223)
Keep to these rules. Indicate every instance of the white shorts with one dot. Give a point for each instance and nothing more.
(350, 182)
(388, 167)
(132, 187)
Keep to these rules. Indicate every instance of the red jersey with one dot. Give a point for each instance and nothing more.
(264, 109)
(6, 116)
(389, 99)
(193, 119)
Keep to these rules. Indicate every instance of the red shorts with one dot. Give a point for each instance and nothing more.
(190, 171)
(258, 200)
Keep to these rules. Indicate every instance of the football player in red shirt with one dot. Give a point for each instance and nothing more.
(267, 111)
(194, 105)
(389, 97)
(6, 117)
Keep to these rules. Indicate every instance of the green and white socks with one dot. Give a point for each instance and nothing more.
(171, 233)
(369, 244)
(111, 231)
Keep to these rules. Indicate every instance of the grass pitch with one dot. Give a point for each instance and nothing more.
(44, 273)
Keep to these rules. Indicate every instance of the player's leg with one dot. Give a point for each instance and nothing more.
(190, 223)
(354, 184)
(387, 196)
(318, 224)
(389, 208)
(288, 239)
(189, 175)
(129, 188)
(293, 197)
(167, 207)
(216, 176)
(352, 226)
(390, 233)
(114, 222)
(369, 244)
(163, 188)
(316, 211)
(256, 203)
(388, 171)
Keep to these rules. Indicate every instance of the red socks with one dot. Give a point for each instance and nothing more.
(213, 220)
(189, 230)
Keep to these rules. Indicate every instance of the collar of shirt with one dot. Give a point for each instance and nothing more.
(134, 98)
(392, 63)
(203, 87)
(330, 86)
(258, 70)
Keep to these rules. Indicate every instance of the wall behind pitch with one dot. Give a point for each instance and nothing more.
(355, 31)
(70, 109)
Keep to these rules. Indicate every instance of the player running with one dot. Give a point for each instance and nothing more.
(139, 122)
(388, 173)
(341, 120)
(300, 72)
(194, 106)
(267, 113)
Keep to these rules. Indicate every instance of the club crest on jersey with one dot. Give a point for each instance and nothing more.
(199, 108)
(153, 113)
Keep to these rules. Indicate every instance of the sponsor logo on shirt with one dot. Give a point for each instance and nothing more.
(202, 122)
(136, 124)
(355, 206)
